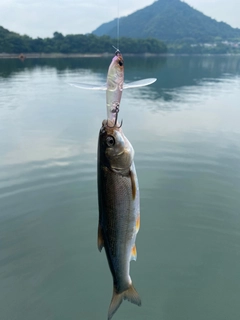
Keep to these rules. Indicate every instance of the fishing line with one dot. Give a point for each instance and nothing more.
(118, 26)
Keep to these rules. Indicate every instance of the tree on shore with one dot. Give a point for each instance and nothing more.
(11, 42)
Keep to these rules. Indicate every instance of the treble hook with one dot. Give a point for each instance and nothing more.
(115, 122)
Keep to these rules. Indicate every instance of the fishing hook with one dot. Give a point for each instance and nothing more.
(115, 122)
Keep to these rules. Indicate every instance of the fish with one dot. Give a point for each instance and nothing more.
(119, 210)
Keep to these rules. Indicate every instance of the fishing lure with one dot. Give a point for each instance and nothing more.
(114, 85)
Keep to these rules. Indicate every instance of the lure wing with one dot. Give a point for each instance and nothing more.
(87, 86)
(139, 83)
(134, 84)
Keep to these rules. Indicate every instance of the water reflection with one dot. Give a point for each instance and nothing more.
(171, 72)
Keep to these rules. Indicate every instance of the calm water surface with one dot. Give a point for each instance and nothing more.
(185, 130)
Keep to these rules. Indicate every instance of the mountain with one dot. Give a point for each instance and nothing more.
(169, 21)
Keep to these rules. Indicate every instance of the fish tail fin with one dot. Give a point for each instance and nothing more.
(117, 299)
(130, 295)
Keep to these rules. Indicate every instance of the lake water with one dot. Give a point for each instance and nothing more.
(185, 130)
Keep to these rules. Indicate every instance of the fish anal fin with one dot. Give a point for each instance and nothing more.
(134, 253)
(130, 295)
(100, 238)
(138, 223)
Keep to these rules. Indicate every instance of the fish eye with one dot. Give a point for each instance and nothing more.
(110, 141)
(120, 63)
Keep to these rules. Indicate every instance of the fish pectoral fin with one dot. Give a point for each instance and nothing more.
(130, 295)
(133, 183)
(134, 253)
(100, 238)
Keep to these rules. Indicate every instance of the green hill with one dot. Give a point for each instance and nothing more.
(170, 21)
(11, 42)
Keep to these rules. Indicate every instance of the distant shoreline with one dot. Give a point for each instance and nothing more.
(69, 55)
(50, 55)
(98, 55)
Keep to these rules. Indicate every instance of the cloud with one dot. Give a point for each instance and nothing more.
(41, 18)
(221, 10)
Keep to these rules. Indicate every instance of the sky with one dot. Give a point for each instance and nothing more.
(41, 18)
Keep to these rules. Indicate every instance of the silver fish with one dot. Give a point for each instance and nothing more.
(119, 210)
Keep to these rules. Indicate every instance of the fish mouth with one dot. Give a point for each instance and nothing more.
(109, 126)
